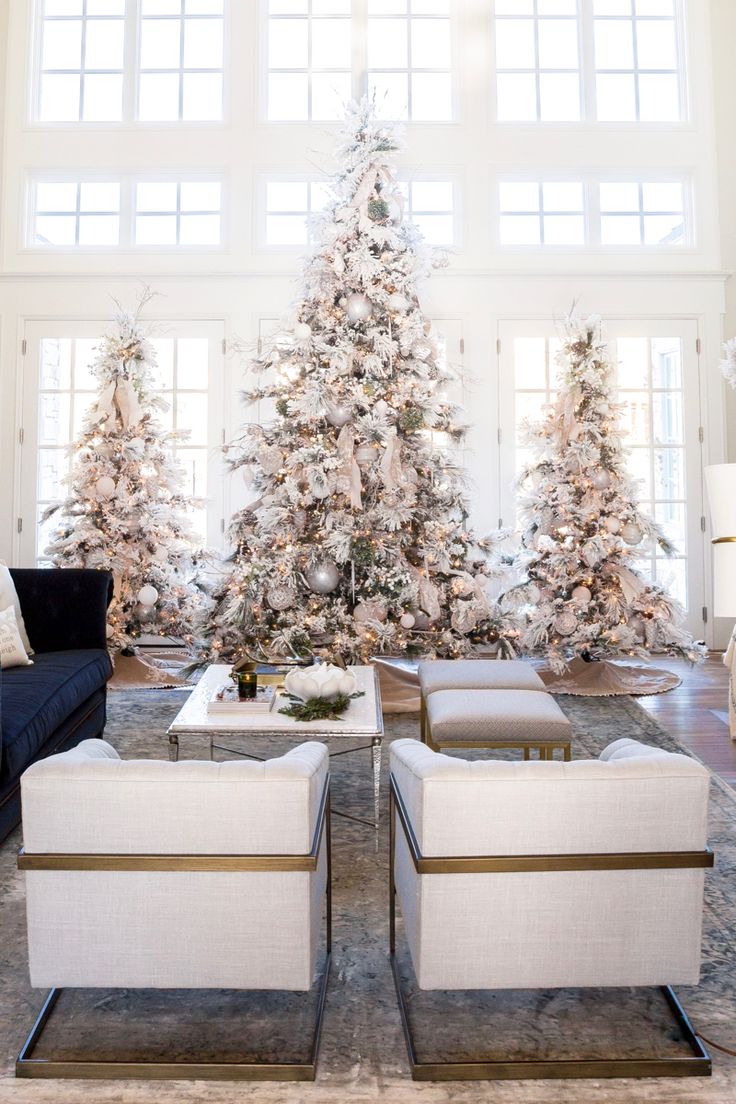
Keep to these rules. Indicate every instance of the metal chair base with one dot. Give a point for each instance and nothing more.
(29, 1066)
(697, 1065)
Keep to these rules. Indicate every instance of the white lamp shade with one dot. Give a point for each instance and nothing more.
(720, 480)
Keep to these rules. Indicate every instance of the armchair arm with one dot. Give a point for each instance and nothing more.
(64, 608)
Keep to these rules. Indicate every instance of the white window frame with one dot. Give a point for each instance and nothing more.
(127, 213)
(131, 79)
(587, 69)
(591, 195)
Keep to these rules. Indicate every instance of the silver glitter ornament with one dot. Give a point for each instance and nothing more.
(339, 415)
(323, 577)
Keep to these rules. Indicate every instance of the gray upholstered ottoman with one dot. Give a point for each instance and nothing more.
(474, 674)
(497, 719)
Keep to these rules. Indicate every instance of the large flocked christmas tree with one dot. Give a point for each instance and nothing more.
(581, 593)
(356, 541)
(126, 508)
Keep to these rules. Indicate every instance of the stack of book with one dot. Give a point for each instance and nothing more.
(225, 700)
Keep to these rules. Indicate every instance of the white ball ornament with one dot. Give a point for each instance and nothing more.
(323, 577)
(105, 486)
(109, 631)
(631, 533)
(581, 595)
(565, 623)
(407, 620)
(612, 524)
(338, 415)
(359, 307)
(601, 479)
(147, 595)
(397, 303)
(302, 331)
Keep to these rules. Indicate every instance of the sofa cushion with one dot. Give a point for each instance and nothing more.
(35, 700)
(478, 674)
(495, 715)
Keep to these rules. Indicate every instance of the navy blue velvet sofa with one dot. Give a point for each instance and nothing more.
(61, 699)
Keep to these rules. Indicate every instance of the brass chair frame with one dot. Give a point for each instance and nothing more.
(697, 1065)
(29, 1066)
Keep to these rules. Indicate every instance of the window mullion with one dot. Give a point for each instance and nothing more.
(131, 47)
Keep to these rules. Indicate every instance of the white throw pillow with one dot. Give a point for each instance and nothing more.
(9, 597)
(12, 652)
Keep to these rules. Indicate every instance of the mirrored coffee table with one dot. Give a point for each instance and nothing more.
(361, 724)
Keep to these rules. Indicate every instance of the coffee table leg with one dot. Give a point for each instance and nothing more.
(376, 757)
(173, 747)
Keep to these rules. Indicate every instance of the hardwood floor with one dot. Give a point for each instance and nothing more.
(689, 712)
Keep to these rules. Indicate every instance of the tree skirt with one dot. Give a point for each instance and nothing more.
(608, 679)
(144, 671)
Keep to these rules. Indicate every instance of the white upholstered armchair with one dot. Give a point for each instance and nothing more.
(132, 865)
(515, 875)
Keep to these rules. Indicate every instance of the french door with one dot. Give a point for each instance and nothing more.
(658, 382)
(58, 388)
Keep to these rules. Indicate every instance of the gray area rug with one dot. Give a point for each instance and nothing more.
(363, 1056)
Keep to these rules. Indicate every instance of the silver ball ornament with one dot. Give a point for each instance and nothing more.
(280, 597)
(147, 595)
(359, 307)
(581, 595)
(612, 524)
(631, 533)
(565, 623)
(407, 620)
(601, 479)
(323, 577)
(397, 303)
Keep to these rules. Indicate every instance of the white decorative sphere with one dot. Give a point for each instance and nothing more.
(601, 479)
(147, 595)
(280, 597)
(143, 613)
(612, 524)
(407, 620)
(338, 414)
(372, 610)
(105, 486)
(631, 533)
(397, 303)
(581, 595)
(565, 623)
(302, 331)
(323, 680)
(366, 454)
(323, 577)
(359, 307)
(109, 631)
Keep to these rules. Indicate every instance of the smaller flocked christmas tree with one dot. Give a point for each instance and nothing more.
(126, 509)
(581, 594)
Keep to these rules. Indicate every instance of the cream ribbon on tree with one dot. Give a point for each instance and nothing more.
(348, 478)
(390, 466)
(121, 397)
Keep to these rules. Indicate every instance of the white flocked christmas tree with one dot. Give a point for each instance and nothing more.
(356, 540)
(126, 510)
(579, 591)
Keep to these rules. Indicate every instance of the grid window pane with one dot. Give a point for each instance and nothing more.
(155, 230)
(409, 60)
(55, 230)
(99, 230)
(181, 61)
(199, 230)
(156, 197)
(309, 60)
(537, 61)
(68, 213)
(637, 63)
(81, 61)
(546, 213)
(188, 214)
(657, 214)
(56, 197)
